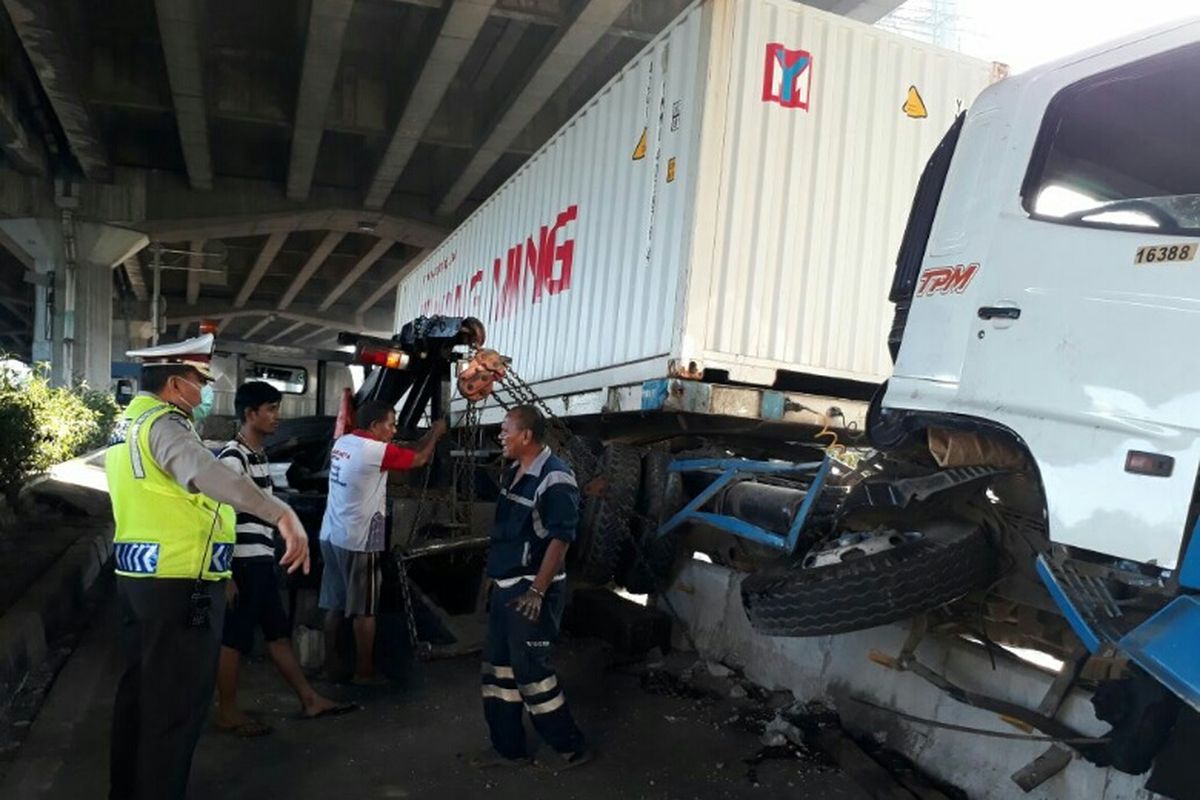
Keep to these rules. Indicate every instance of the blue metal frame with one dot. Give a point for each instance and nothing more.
(1189, 570)
(732, 468)
(1167, 645)
(1089, 637)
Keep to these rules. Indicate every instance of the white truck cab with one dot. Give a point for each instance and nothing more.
(1058, 296)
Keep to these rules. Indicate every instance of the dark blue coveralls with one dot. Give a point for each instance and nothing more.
(541, 506)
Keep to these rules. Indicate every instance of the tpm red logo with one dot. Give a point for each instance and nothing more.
(946, 280)
(787, 76)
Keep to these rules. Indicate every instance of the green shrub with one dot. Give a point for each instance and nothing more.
(105, 407)
(18, 439)
(42, 425)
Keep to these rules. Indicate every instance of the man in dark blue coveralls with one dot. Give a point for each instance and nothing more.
(536, 516)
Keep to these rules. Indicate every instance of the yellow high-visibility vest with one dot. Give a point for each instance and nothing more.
(163, 530)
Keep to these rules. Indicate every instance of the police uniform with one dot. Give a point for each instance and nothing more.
(174, 506)
(542, 505)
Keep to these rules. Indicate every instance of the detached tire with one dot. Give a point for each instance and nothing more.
(604, 525)
(952, 559)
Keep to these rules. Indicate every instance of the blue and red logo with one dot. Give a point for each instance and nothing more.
(787, 76)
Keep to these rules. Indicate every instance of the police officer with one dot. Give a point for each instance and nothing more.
(535, 523)
(174, 507)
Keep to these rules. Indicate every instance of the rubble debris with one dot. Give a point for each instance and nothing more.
(667, 684)
(773, 739)
(655, 659)
(717, 669)
(807, 734)
(779, 699)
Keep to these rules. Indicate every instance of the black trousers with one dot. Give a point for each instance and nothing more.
(166, 687)
(517, 675)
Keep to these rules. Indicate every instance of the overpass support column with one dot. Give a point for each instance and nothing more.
(73, 276)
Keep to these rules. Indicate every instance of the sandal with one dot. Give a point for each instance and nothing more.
(251, 729)
(338, 710)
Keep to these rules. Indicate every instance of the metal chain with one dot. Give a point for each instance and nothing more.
(469, 440)
(559, 436)
(582, 461)
(423, 649)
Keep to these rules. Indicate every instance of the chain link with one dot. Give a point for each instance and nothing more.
(423, 649)
(461, 511)
(558, 436)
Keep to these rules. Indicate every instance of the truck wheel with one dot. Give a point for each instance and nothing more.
(860, 580)
(604, 526)
(647, 567)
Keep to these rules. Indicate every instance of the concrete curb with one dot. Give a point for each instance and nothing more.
(49, 606)
(834, 669)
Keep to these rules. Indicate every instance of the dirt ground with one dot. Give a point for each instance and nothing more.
(413, 740)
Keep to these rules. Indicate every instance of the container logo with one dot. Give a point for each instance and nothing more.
(787, 76)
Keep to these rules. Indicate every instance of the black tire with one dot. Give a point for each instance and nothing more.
(649, 560)
(952, 559)
(604, 526)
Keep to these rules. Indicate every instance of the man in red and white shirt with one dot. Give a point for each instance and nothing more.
(352, 533)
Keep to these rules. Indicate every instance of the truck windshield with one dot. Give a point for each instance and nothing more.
(1117, 150)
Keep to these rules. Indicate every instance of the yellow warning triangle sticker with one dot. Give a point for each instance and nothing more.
(639, 152)
(914, 106)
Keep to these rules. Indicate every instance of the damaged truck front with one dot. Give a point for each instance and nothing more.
(708, 324)
(1036, 447)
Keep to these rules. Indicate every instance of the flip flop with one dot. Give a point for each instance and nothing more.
(247, 730)
(339, 710)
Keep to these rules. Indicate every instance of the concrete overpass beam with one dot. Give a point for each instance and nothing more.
(41, 36)
(562, 56)
(288, 331)
(327, 245)
(322, 54)
(179, 27)
(357, 271)
(261, 264)
(388, 286)
(459, 30)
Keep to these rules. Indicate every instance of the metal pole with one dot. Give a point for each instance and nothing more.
(154, 297)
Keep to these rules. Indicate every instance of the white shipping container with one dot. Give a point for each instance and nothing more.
(732, 200)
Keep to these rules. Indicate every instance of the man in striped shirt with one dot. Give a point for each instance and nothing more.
(253, 592)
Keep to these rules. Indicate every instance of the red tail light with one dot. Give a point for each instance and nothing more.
(381, 357)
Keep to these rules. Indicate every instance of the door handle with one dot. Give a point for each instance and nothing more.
(999, 312)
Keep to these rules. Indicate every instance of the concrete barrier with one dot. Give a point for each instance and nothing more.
(51, 606)
(835, 668)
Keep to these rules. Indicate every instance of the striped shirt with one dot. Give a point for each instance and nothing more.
(255, 538)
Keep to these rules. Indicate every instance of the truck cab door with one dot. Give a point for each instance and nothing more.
(1086, 303)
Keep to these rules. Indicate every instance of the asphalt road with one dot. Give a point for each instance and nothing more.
(413, 740)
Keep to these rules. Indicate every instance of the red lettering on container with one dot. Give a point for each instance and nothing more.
(538, 267)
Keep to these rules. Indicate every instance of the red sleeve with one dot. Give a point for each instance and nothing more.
(397, 458)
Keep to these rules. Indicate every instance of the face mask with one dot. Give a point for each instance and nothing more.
(204, 408)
